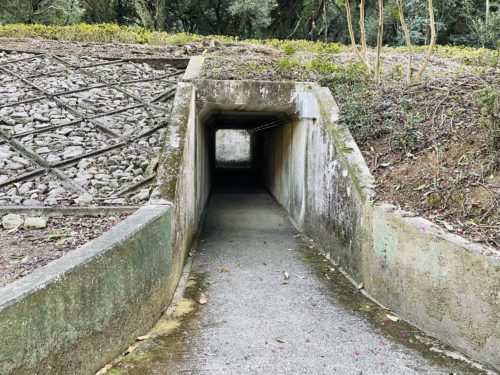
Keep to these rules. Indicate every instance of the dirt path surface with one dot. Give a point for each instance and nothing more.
(261, 301)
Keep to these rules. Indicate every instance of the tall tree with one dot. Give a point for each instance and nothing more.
(152, 13)
(407, 41)
(432, 43)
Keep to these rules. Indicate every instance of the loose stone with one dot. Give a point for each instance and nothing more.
(11, 221)
(35, 223)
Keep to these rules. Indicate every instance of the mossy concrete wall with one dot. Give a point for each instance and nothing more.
(183, 178)
(77, 313)
(314, 169)
(438, 281)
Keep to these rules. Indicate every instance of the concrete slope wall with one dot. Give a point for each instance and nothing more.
(183, 174)
(440, 282)
(77, 313)
(311, 167)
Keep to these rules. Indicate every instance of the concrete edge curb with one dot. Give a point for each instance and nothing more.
(54, 271)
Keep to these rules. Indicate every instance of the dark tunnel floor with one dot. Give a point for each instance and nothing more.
(236, 181)
(258, 321)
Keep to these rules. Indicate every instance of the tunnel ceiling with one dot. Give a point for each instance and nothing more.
(244, 120)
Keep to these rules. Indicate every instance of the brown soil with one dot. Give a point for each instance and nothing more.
(450, 175)
(22, 251)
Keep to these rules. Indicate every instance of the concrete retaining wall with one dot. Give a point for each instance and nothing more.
(183, 178)
(77, 313)
(232, 148)
(438, 281)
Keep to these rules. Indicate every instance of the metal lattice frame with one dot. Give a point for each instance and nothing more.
(54, 168)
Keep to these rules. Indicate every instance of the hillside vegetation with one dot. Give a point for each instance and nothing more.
(433, 146)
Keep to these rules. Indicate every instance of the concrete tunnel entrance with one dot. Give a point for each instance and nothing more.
(239, 149)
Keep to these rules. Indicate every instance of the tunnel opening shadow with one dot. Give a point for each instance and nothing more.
(236, 180)
(236, 142)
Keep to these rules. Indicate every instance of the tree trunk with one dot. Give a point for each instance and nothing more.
(353, 39)
(362, 27)
(311, 25)
(404, 26)
(380, 35)
(431, 44)
(487, 19)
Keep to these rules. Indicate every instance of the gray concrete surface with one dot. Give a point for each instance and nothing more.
(80, 311)
(256, 322)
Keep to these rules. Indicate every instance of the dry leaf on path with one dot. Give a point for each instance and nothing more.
(392, 317)
(225, 269)
(203, 299)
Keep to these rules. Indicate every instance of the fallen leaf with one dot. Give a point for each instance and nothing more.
(392, 317)
(142, 338)
(104, 369)
(421, 187)
(131, 349)
(448, 226)
(360, 286)
(225, 269)
(203, 299)
(286, 275)
(327, 256)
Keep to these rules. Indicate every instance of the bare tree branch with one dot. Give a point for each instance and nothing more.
(406, 33)
(380, 35)
(431, 44)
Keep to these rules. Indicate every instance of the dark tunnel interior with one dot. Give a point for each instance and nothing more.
(240, 134)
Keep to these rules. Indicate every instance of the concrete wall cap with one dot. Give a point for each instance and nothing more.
(52, 272)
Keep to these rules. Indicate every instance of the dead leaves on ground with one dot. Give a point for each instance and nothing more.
(203, 299)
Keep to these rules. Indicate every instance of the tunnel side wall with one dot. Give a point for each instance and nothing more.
(308, 167)
(441, 283)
